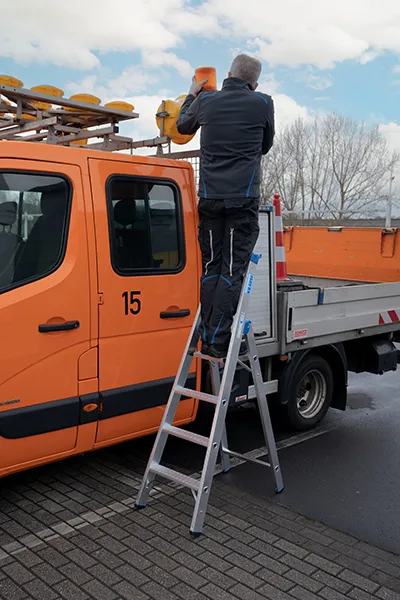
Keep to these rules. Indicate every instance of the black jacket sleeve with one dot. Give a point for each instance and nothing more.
(269, 131)
(188, 119)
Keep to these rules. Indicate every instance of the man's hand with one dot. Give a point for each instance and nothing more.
(196, 87)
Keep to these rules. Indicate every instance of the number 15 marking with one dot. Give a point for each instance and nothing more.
(132, 305)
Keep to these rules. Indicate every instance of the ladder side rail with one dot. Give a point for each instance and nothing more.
(169, 412)
(223, 401)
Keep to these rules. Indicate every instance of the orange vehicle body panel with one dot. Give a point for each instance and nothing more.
(109, 350)
(354, 254)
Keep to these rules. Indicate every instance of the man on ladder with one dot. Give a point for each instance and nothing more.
(237, 128)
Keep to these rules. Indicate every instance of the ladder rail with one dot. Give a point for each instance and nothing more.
(217, 442)
(170, 410)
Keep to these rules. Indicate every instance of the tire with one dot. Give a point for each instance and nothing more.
(310, 393)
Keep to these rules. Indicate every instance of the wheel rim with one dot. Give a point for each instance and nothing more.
(311, 394)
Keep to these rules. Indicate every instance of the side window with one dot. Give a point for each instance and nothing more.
(145, 225)
(34, 211)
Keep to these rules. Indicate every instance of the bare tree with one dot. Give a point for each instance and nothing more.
(331, 166)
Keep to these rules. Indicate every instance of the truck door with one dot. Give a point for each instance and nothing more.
(148, 277)
(44, 310)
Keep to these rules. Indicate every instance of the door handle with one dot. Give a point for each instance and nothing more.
(175, 314)
(49, 327)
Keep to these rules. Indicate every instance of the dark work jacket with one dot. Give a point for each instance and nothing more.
(237, 127)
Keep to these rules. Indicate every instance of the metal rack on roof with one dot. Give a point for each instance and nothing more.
(31, 116)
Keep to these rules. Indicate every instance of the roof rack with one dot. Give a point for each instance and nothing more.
(37, 117)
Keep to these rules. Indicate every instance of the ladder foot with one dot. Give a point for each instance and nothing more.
(226, 470)
(195, 534)
(279, 490)
(140, 506)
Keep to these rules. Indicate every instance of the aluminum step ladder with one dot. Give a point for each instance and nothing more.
(217, 441)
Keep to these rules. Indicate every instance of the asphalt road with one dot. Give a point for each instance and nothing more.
(348, 477)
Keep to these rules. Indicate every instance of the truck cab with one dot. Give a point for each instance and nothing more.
(99, 272)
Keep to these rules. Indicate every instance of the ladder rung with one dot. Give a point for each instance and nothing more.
(210, 358)
(175, 476)
(186, 435)
(196, 394)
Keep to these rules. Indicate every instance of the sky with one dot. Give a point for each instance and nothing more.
(318, 56)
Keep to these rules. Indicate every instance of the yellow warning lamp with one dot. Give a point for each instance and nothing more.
(166, 117)
(85, 99)
(120, 105)
(10, 82)
(49, 90)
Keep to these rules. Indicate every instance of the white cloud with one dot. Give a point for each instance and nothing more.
(160, 59)
(75, 33)
(316, 82)
(131, 80)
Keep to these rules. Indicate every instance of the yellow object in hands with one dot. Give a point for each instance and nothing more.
(172, 107)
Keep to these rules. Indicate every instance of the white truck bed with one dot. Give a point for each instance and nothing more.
(328, 312)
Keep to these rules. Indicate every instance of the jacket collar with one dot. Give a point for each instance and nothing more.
(234, 83)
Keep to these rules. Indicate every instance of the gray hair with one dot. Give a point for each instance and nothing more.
(247, 68)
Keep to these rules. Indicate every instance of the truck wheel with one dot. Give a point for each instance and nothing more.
(310, 393)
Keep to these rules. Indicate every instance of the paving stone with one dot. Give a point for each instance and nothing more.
(330, 594)
(162, 577)
(130, 592)
(323, 564)
(304, 580)
(108, 558)
(302, 594)
(105, 575)
(132, 575)
(82, 559)
(189, 577)
(11, 591)
(333, 582)
(272, 593)
(357, 594)
(18, 573)
(359, 581)
(386, 581)
(28, 558)
(140, 562)
(292, 562)
(216, 593)
(261, 534)
(48, 574)
(99, 591)
(382, 565)
(291, 548)
(75, 573)
(243, 563)
(355, 565)
(41, 591)
(244, 593)
(271, 564)
(157, 591)
(386, 594)
(245, 578)
(53, 557)
(282, 583)
(317, 548)
(217, 577)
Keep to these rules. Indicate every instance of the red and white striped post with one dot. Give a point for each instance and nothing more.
(280, 255)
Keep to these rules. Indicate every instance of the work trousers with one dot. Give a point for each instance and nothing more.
(228, 231)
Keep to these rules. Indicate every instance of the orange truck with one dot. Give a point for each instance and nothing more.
(99, 285)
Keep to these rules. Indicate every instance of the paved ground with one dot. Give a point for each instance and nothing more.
(69, 531)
